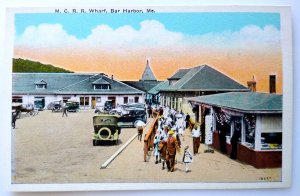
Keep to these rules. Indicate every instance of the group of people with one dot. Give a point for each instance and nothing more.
(168, 139)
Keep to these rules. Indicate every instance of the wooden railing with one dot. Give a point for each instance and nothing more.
(149, 137)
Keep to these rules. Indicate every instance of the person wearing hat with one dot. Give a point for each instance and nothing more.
(196, 138)
(172, 146)
(187, 158)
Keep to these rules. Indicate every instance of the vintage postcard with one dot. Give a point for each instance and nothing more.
(127, 98)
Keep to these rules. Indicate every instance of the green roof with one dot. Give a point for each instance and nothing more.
(161, 85)
(243, 101)
(100, 81)
(40, 82)
(205, 78)
(179, 73)
(68, 83)
(148, 74)
(143, 85)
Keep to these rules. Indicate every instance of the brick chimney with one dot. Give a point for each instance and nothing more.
(252, 85)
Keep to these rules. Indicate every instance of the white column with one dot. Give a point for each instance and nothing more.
(243, 132)
(214, 121)
(258, 132)
(231, 128)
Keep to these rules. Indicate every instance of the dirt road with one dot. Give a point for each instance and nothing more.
(49, 148)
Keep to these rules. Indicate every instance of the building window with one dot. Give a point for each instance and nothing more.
(40, 86)
(250, 124)
(101, 86)
(39, 102)
(271, 141)
(17, 99)
(125, 100)
(272, 83)
(84, 101)
(136, 99)
(65, 99)
(98, 99)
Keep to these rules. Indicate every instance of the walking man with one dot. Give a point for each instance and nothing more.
(196, 138)
(140, 128)
(187, 120)
(64, 109)
(14, 119)
(172, 145)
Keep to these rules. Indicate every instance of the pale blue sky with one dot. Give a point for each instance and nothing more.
(80, 25)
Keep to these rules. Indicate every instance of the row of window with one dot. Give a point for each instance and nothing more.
(84, 101)
(96, 86)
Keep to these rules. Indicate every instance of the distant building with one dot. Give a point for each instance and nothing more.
(90, 90)
(146, 83)
(256, 118)
(155, 91)
(197, 81)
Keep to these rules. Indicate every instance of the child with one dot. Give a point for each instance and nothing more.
(187, 158)
(156, 142)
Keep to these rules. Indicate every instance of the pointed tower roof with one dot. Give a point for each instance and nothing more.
(148, 74)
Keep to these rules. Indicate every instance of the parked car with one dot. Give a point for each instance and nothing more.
(56, 107)
(72, 106)
(106, 128)
(20, 108)
(108, 105)
(136, 105)
(132, 117)
(119, 110)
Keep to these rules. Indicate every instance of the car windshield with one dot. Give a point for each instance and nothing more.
(98, 120)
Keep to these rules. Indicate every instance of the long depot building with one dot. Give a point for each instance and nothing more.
(90, 90)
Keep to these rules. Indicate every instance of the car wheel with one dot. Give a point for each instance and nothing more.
(94, 142)
(104, 131)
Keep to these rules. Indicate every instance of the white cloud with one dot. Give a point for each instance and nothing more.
(152, 35)
(45, 35)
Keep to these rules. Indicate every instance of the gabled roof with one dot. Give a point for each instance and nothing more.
(100, 81)
(68, 83)
(248, 102)
(143, 85)
(40, 82)
(161, 85)
(205, 78)
(179, 74)
(148, 74)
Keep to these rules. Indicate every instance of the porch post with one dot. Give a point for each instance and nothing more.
(258, 132)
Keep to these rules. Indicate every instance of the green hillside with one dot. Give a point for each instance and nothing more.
(21, 65)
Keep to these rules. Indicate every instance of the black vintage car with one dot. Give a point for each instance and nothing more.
(56, 106)
(106, 128)
(132, 117)
(108, 105)
(72, 106)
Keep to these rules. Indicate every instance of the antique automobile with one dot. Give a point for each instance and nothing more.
(106, 128)
(108, 105)
(135, 105)
(72, 106)
(56, 106)
(28, 109)
(132, 117)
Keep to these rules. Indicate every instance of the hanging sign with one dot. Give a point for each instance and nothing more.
(208, 130)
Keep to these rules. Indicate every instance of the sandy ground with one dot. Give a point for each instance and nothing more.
(50, 149)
